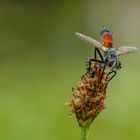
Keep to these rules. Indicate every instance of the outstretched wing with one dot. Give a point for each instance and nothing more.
(92, 42)
(126, 50)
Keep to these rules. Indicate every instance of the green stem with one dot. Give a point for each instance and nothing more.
(84, 133)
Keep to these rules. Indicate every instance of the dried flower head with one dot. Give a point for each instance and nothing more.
(89, 94)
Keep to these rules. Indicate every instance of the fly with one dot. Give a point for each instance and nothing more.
(111, 54)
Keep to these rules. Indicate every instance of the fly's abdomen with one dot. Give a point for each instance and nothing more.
(107, 40)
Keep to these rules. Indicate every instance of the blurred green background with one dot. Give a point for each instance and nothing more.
(41, 60)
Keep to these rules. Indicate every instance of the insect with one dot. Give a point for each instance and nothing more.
(111, 55)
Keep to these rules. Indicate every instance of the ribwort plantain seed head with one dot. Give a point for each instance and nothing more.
(89, 95)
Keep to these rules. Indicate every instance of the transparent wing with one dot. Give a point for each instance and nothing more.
(126, 50)
(92, 42)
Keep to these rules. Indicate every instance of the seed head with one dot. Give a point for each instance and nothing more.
(89, 94)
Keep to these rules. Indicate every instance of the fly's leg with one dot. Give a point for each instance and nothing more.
(96, 50)
(100, 61)
(94, 59)
(90, 70)
(114, 73)
(90, 61)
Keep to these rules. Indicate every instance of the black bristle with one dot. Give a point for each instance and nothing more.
(105, 30)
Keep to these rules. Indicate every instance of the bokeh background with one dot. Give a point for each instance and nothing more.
(41, 59)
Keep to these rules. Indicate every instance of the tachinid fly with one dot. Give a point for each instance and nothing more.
(111, 55)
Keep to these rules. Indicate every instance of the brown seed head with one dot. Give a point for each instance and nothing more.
(89, 94)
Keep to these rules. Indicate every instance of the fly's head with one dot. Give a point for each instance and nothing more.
(114, 64)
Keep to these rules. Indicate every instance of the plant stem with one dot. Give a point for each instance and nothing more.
(84, 132)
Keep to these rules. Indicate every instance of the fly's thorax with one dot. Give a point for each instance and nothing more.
(110, 54)
(112, 59)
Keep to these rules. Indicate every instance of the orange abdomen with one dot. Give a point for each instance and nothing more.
(107, 40)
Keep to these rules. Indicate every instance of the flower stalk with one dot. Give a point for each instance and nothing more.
(84, 133)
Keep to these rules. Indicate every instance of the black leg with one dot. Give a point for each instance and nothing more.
(93, 60)
(101, 57)
(101, 77)
(114, 73)
(96, 50)
(89, 63)
(96, 60)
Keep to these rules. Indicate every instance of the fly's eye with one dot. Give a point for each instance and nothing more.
(111, 63)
